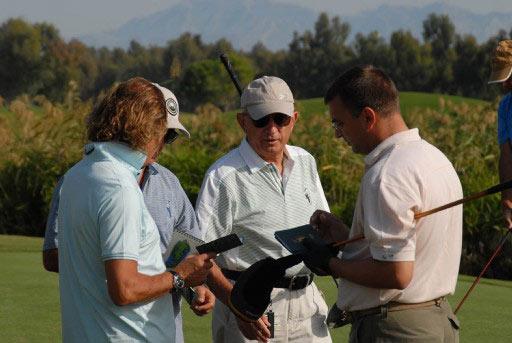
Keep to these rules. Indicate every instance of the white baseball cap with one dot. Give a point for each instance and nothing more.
(173, 110)
(266, 95)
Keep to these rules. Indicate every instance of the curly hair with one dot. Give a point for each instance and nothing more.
(133, 113)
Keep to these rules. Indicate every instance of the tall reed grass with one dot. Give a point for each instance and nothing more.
(41, 141)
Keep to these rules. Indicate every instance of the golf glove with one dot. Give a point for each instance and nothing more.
(318, 256)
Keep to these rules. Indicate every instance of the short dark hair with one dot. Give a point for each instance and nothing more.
(365, 86)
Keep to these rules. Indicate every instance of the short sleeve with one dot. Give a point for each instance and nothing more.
(389, 222)
(50, 235)
(214, 209)
(186, 220)
(119, 223)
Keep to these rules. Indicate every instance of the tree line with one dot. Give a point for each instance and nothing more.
(36, 60)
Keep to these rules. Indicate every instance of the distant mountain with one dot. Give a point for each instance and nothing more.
(386, 19)
(242, 22)
(245, 22)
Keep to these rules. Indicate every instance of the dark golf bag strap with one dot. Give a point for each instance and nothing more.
(292, 283)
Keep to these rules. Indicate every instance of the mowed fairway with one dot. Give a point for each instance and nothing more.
(29, 302)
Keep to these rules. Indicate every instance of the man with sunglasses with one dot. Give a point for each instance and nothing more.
(262, 186)
(167, 204)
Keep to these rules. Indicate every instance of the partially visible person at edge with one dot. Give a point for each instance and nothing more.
(113, 282)
(262, 186)
(167, 204)
(394, 282)
(501, 71)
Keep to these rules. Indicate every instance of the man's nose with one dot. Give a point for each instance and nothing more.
(271, 125)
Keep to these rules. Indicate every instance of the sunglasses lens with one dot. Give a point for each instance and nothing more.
(262, 122)
(279, 119)
(170, 136)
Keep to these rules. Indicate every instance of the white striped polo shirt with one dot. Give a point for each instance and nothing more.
(243, 194)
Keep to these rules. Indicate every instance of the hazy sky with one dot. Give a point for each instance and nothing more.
(78, 17)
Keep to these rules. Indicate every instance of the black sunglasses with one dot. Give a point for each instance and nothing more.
(280, 119)
(170, 136)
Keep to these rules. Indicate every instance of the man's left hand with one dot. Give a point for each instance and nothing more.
(203, 302)
(318, 256)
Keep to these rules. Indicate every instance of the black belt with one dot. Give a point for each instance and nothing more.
(292, 283)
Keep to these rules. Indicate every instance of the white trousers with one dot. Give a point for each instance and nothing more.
(299, 317)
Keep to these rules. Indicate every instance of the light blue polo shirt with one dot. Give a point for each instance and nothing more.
(102, 216)
(169, 207)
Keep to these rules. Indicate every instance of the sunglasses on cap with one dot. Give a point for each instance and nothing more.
(280, 119)
(170, 136)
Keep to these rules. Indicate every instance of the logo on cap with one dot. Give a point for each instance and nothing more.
(172, 106)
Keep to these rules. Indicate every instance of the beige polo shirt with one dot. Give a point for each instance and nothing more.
(404, 175)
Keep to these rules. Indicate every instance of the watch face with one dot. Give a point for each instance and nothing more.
(178, 281)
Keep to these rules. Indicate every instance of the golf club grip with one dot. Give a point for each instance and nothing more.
(494, 189)
(224, 59)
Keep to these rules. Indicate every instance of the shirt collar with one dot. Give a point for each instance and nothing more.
(255, 162)
(120, 152)
(400, 137)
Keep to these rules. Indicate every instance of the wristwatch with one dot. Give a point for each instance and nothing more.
(178, 282)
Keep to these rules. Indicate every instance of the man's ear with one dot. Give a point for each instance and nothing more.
(241, 121)
(370, 117)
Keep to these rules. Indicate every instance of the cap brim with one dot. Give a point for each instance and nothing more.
(500, 75)
(174, 123)
(259, 111)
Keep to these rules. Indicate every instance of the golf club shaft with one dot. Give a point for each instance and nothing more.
(495, 189)
(350, 240)
(225, 60)
(487, 265)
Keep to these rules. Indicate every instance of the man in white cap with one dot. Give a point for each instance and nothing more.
(262, 186)
(113, 282)
(501, 71)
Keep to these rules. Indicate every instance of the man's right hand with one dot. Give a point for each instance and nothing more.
(331, 228)
(258, 330)
(195, 268)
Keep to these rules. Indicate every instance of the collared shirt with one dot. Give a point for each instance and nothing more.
(406, 175)
(102, 216)
(505, 119)
(243, 194)
(169, 207)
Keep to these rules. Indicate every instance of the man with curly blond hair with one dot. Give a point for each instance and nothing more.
(113, 282)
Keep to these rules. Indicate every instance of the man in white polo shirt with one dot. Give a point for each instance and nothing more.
(394, 282)
(262, 186)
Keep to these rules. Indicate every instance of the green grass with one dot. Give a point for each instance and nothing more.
(29, 302)
(408, 101)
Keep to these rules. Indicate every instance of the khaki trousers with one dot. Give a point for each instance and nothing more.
(435, 323)
(299, 317)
